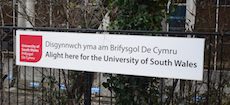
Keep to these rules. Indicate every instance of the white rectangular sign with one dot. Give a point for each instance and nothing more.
(167, 57)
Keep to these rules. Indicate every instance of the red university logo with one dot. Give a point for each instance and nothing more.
(30, 48)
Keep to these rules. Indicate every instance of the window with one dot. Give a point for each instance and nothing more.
(177, 17)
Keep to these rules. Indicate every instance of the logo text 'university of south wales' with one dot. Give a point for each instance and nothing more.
(30, 48)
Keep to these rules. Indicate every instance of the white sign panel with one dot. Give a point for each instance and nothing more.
(167, 57)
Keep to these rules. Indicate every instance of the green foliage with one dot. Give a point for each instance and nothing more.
(52, 93)
(130, 90)
(71, 94)
(137, 14)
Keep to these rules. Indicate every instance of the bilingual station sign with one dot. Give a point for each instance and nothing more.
(153, 56)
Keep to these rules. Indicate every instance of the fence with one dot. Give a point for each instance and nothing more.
(20, 85)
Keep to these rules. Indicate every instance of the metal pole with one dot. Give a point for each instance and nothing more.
(216, 37)
(88, 83)
(67, 14)
(1, 72)
(161, 91)
(221, 68)
(50, 13)
(209, 66)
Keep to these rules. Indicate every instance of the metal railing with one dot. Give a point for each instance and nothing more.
(21, 85)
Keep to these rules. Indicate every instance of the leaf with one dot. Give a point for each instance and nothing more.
(106, 85)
